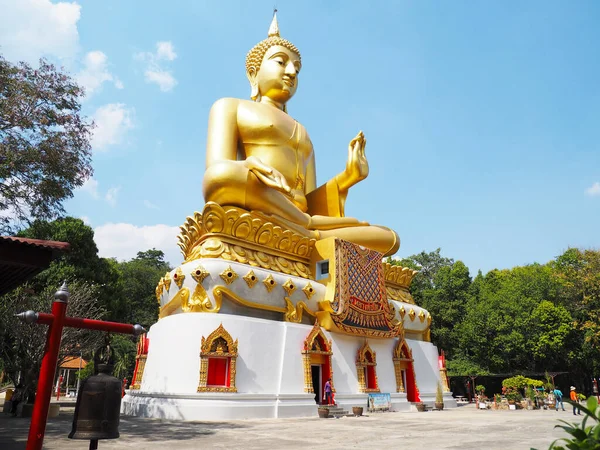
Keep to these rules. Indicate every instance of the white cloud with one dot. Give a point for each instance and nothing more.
(155, 71)
(111, 195)
(165, 50)
(593, 190)
(124, 240)
(95, 72)
(112, 122)
(86, 220)
(30, 29)
(90, 186)
(165, 80)
(148, 204)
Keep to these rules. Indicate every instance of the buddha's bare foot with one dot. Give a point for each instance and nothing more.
(331, 223)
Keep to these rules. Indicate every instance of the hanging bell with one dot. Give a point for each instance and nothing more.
(98, 406)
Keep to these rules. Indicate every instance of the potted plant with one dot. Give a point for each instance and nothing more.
(439, 398)
(357, 410)
(323, 412)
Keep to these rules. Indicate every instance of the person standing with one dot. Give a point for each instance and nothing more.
(558, 396)
(575, 400)
(328, 392)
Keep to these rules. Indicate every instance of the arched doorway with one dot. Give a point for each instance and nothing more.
(405, 371)
(316, 356)
(366, 364)
(218, 354)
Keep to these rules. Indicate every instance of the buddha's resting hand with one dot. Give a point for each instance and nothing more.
(357, 167)
(269, 176)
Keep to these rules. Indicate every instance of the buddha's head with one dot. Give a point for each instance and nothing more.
(272, 67)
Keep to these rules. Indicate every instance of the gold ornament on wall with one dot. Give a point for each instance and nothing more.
(422, 316)
(228, 275)
(269, 283)
(289, 287)
(412, 314)
(199, 273)
(167, 280)
(308, 290)
(366, 358)
(251, 279)
(178, 277)
(402, 312)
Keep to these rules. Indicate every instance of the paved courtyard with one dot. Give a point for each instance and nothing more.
(459, 428)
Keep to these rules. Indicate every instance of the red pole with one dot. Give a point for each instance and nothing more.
(60, 380)
(41, 405)
(89, 324)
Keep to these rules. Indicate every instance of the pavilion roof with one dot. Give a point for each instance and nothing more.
(22, 258)
(72, 362)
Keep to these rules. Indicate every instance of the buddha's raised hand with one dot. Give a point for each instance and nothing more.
(357, 167)
(267, 175)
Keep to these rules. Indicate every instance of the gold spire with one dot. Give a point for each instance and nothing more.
(274, 28)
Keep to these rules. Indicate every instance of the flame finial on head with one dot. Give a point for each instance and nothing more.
(274, 28)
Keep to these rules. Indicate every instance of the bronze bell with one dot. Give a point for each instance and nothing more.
(98, 406)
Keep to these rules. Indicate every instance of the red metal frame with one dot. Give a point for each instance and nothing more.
(57, 321)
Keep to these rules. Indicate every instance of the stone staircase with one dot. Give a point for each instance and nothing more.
(336, 411)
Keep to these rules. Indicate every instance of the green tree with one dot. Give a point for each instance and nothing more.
(22, 345)
(80, 263)
(45, 147)
(139, 278)
(447, 300)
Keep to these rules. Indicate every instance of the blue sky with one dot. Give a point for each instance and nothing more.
(482, 118)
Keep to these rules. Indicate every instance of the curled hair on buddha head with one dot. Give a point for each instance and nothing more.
(257, 53)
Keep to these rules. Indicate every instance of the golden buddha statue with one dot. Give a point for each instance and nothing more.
(260, 159)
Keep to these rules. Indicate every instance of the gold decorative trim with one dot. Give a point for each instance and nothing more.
(366, 357)
(428, 319)
(200, 302)
(219, 344)
(311, 348)
(289, 287)
(140, 365)
(412, 314)
(178, 277)
(167, 281)
(269, 283)
(199, 273)
(308, 290)
(248, 237)
(228, 275)
(177, 301)
(251, 279)
(422, 316)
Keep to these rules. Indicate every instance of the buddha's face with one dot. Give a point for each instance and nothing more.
(277, 77)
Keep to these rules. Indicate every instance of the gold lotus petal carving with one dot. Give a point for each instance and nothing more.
(228, 275)
(251, 279)
(422, 316)
(269, 283)
(428, 319)
(289, 287)
(402, 312)
(308, 290)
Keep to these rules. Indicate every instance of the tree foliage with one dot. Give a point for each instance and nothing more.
(45, 147)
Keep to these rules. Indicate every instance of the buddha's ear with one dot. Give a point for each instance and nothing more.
(251, 74)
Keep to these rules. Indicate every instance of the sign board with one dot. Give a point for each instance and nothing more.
(379, 402)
